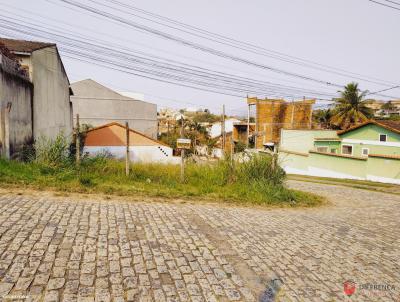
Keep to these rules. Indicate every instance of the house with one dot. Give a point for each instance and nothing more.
(51, 106)
(111, 138)
(216, 128)
(111, 106)
(368, 151)
(16, 93)
(243, 133)
(274, 114)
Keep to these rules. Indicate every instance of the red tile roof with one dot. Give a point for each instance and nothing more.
(389, 125)
(24, 46)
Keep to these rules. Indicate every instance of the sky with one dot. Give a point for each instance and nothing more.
(358, 36)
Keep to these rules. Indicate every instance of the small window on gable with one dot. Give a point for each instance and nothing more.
(382, 137)
(365, 151)
(322, 149)
(348, 150)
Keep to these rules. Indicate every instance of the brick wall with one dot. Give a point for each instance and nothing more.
(272, 115)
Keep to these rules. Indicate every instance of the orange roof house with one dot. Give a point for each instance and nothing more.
(114, 134)
(112, 138)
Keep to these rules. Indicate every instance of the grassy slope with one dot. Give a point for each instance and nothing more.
(108, 177)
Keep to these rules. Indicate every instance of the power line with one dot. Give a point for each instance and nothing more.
(92, 30)
(390, 88)
(248, 47)
(383, 4)
(113, 51)
(197, 46)
(200, 47)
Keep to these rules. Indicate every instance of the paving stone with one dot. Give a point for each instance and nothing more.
(92, 250)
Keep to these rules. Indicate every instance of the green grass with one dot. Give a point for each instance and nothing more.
(255, 182)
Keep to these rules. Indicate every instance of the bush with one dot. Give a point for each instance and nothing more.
(52, 152)
(261, 168)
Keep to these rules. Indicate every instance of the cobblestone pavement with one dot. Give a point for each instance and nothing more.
(68, 249)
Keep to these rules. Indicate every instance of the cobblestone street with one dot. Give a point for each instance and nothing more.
(70, 249)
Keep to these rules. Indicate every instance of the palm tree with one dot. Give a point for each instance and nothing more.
(323, 118)
(351, 108)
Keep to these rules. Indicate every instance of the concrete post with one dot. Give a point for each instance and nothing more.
(127, 149)
(248, 125)
(77, 141)
(182, 154)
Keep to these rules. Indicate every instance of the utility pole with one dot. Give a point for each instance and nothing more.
(248, 125)
(223, 134)
(182, 153)
(127, 149)
(232, 149)
(77, 141)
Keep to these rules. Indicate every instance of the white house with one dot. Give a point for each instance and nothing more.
(111, 138)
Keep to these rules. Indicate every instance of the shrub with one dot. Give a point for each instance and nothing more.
(52, 152)
(261, 168)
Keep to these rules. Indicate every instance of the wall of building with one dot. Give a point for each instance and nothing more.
(16, 126)
(112, 107)
(143, 154)
(328, 165)
(272, 115)
(52, 109)
(302, 140)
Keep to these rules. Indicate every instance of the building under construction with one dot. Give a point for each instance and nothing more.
(271, 115)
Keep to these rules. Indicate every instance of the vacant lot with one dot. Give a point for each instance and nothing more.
(258, 181)
(68, 248)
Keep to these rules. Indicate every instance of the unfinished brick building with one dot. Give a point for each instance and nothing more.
(274, 114)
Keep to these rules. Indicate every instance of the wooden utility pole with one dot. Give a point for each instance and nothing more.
(127, 149)
(77, 141)
(256, 126)
(232, 149)
(248, 125)
(223, 133)
(182, 154)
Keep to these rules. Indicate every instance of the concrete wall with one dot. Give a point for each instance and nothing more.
(302, 140)
(144, 154)
(327, 165)
(17, 124)
(51, 101)
(98, 105)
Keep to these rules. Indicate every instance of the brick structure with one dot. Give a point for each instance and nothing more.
(274, 114)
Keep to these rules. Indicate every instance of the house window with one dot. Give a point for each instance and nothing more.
(347, 149)
(333, 151)
(365, 151)
(382, 137)
(322, 149)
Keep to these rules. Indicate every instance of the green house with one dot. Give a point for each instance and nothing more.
(375, 138)
(368, 151)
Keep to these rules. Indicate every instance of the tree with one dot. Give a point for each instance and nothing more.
(389, 106)
(350, 107)
(323, 117)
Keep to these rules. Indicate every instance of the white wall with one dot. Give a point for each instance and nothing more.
(215, 130)
(145, 154)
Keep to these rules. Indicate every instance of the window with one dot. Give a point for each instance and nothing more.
(365, 151)
(347, 149)
(333, 151)
(382, 137)
(322, 149)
